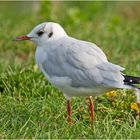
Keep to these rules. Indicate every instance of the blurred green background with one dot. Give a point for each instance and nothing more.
(30, 107)
(113, 26)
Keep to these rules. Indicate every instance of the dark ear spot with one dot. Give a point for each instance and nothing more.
(50, 34)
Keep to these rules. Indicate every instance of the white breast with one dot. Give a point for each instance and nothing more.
(40, 57)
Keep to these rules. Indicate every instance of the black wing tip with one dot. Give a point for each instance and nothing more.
(131, 79)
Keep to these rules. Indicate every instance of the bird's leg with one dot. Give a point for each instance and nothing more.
(91, 108)
(69, 111)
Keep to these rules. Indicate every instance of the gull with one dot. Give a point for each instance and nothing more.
(76, 67)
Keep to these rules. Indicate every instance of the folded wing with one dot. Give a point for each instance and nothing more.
(82, 62)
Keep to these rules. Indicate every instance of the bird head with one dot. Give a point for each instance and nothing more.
(43, 33)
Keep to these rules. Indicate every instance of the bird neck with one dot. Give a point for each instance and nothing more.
(59, 33)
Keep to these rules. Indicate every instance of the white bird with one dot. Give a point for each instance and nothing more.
(76, 67)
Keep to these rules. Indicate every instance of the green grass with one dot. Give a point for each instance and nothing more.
(30, 107)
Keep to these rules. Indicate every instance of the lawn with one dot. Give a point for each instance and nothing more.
(30, 107)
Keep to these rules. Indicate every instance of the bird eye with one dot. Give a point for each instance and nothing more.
(40, 33)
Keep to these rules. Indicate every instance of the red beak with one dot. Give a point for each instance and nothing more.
(23, 37)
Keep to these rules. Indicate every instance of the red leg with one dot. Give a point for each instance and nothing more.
(69, 111)
(91, 108)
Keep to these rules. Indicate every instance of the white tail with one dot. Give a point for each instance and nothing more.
(137, 93)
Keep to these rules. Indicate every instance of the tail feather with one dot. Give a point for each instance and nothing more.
(137, 93)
